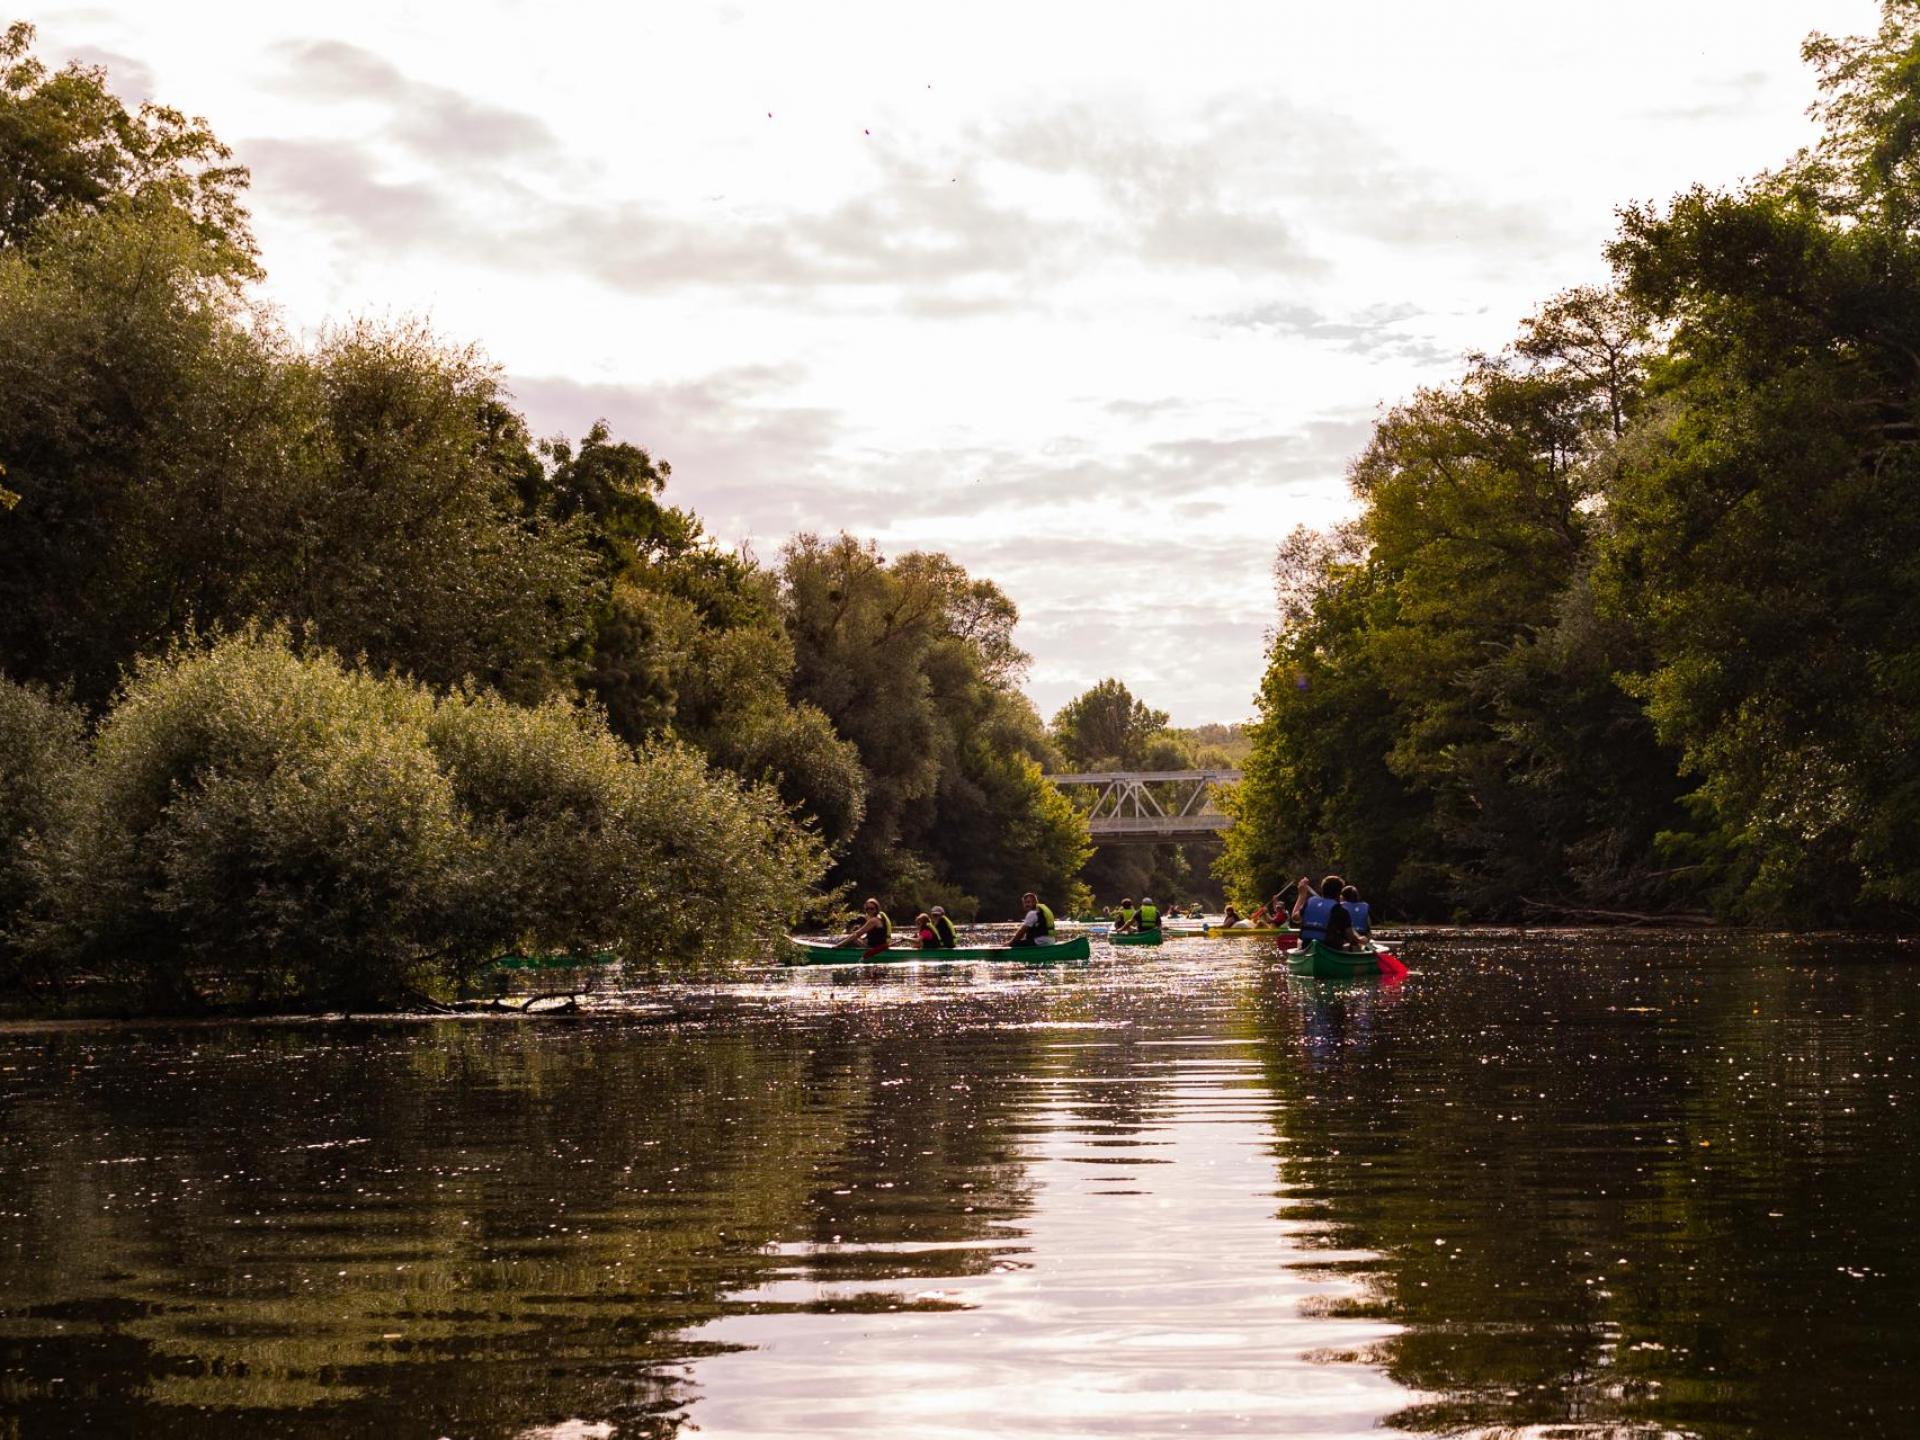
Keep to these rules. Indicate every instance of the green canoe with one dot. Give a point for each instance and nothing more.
(1136, 937)
(1314, 958)
(550, 962)
(822, 952)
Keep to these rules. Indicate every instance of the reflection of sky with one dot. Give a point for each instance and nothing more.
(1150, 1290)
(1101, 299)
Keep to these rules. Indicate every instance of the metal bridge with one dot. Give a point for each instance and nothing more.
(1152, 807)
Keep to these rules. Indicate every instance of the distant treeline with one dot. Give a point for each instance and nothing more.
(1628, 621)
(323, 680)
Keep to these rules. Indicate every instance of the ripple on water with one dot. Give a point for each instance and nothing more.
(1552, 1185)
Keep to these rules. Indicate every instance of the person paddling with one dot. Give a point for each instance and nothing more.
(873, 931)
(1036, 927)
(1147, 917)
(1271, 912)
(944, 938)
(1322, 917)
(1231, 917)
(1357, 909)
(1126, 917)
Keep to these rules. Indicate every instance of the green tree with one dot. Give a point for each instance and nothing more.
(1106, 728)
(254, 822)
(69, 146)
(688, 639)
(1318, 790)
(42, 758)
(154, 433)
(411, 549)
(915, 664)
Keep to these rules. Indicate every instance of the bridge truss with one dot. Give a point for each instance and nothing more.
(1151, 807)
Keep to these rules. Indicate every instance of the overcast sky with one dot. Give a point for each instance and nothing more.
(1099, 298)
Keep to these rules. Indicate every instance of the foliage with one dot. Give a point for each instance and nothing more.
(258, 821)
(42, 755)
(252, 817)
(151, 433)
(1106, 728)
(69, 146)
(581, 842)
(179, 464)
(1627, 612)
(1318, 791)
(1766, 542)
(913, 662)
(411, 551)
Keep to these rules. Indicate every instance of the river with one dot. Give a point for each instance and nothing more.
(1578, 1184)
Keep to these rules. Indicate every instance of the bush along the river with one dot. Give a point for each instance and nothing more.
(257, 824)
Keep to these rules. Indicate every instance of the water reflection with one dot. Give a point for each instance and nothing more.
(1567, 1186)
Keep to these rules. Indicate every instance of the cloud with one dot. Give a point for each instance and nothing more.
(911, 233)
(433, 121)
(342, 185)
(748, 461)
(754, 462)
(952, 225)
(1161, 556)
(1237, 184)
(1726, 97)
(132, 80)
(1378, 331)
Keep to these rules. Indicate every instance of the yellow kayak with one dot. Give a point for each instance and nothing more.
(1238, 932)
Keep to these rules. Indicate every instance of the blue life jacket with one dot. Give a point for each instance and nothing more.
(1358, 910)
(1314, 916)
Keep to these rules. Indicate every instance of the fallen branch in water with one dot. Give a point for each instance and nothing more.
(1629, 917)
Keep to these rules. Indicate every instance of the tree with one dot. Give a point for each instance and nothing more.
(159, 435)
(1318, 791)
(42, 759)
(913, 661)
(255, 822)
(1106, 728)
(1765, 543)
(68, 146)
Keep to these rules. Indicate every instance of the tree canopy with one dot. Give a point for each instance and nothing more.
(1626, 616)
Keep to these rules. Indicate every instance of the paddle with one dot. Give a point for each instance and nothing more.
(1392, 966)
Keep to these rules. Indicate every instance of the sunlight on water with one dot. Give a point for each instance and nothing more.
(1555, 1186)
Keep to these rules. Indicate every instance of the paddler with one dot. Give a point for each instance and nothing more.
(873, 931)
(1357, 909)
(1231, 918)
(1148, 915)
(1036, 927)
(944, 938)
(1322, 917)
(1126, 917)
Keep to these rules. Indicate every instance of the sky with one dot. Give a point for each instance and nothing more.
(1100, 299)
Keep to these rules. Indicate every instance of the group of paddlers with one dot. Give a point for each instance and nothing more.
(873, 930)
(1332, 913)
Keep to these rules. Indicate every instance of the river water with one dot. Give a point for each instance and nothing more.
(1566, 1185)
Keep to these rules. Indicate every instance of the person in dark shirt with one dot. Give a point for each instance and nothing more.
(944, 938)
(1322, 917)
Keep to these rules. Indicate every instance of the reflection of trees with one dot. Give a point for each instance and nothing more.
(1620, 1191)
(478, 1227)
